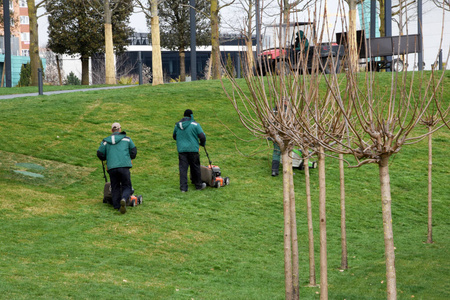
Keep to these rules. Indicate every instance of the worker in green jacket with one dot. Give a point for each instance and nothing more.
(301, 42)
(118, 150)
(189, 136)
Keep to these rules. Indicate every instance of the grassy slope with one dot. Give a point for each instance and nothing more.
(59, 241)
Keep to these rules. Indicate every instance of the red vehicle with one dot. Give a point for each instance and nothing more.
(280, 51)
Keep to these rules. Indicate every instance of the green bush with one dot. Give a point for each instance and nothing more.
(230, 66)
(72, 79)
(126, 80)
(25, 75)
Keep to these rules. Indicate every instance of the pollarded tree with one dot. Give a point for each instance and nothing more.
(76, 28)
(268, 114)
(299, 108)
(381, 120)
(175, 29)
(243, 20)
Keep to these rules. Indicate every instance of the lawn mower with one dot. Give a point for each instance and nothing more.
(211, 174)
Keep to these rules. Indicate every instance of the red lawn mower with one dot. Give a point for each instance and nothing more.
(211, 174)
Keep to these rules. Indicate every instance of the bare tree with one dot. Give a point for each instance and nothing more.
(271, 114)
(215, 43)
(355, 115)
(444, 4)
(107, 11)
(150, 9)
(299, 109)
(382, 123)
(35, 60)
(244, 22)
(53, 73)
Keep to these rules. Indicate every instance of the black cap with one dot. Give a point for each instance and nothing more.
(188, 113)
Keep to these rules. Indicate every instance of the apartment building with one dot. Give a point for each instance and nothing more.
(20, 40)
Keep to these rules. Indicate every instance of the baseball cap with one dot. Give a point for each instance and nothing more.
(188, 113)
(115, 126)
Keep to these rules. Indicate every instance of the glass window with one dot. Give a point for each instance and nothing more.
(25, 52)
(23, 3)
(24, 20)
(25, 36)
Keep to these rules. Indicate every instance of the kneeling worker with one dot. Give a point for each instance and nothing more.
(118, 150)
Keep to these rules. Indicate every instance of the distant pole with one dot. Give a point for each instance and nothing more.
(193, 42)
(388, 24)
(40, 83)
(140, 67)
(419, 30)
(238, 67)
(7, 30)
(373, 17)
(258, 29)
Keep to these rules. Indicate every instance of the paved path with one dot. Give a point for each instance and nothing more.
(66, 91)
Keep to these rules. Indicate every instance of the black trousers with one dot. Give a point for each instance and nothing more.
(192, 160)
(120, 185)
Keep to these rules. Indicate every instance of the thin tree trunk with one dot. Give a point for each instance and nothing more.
(295, 254)
(382, 18)
(287, 227)
(312, 263)
(157, 71)
(59, 69)
(85, 69)
(386, 201)
(215, 49)
(110, 73)
(430, 192)
(344, 259)
(109, 56)
(323, 227)
(182, 65)
(249, 52)
(35, 61)
(248, 40)
(352, 35)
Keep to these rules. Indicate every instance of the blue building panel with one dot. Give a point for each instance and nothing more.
(16, 66)
(364, 18)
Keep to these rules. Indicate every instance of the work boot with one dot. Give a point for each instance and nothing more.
(123, 206)
(275, 167)
(202, 187)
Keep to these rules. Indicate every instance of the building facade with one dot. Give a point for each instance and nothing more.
(20, 39)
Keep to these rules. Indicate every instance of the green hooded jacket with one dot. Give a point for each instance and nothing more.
(118, 150)
(189, 135)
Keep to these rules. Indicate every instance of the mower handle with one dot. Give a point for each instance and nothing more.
(210, 163)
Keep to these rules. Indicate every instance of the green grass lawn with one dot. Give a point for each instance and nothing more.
(59, 241)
